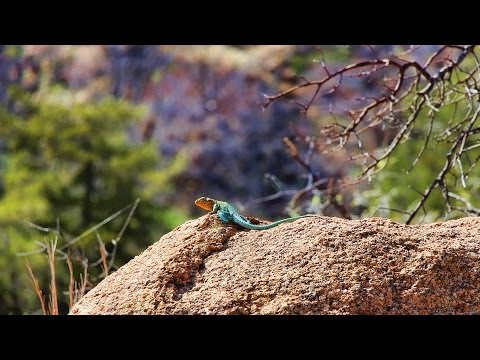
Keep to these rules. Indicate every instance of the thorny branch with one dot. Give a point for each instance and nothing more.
(412, 99)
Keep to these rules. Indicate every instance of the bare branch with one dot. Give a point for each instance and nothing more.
(434, 101)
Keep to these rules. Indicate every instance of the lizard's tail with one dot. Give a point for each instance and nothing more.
(275, 223)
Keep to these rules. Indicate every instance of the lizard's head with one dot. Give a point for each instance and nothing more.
(205, 203)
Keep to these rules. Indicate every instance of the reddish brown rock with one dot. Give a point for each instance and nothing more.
(318, 265)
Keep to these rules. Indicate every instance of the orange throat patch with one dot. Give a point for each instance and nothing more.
(205, 203)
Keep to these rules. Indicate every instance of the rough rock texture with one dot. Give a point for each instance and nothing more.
(317, 265)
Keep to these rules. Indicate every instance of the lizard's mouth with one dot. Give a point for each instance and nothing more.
(204, 204)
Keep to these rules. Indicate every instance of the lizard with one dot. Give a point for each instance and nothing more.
(227, 213)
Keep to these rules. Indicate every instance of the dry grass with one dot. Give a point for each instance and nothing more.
(36, 287)
(49, 307)
(76, 289)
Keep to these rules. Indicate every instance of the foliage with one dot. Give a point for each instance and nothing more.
(69, 165)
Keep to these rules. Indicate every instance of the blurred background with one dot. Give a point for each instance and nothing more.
(103, 149)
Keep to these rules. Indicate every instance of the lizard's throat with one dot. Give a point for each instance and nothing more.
(204, 205)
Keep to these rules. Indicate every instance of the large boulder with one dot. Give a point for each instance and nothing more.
(315, 265)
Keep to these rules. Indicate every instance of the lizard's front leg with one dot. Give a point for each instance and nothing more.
(224, 216)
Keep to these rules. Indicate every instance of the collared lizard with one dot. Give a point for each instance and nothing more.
(227, 213)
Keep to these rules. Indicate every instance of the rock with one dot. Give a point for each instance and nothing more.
(316, 265)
